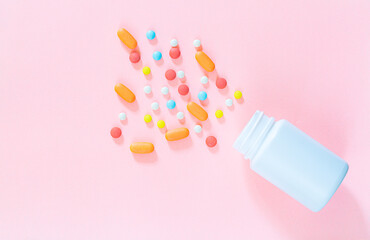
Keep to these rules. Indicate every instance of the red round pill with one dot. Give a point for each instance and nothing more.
(170, 74)
(211, 141)
(134, 57)
(183, 89)
(115, 132)
(175, 52)
(221, 83)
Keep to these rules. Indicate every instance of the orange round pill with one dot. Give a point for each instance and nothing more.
(170, 74)
(134, 57)
(175, 53)
(115, 132)
(221, 83)
(211, 141)
(183, 89)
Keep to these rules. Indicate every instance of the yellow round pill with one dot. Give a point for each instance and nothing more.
(146, 70)
(238, 94)
(161, 124)
(219, 114)
(147, 118)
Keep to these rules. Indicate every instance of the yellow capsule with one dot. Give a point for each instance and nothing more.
(238, 94)
(127, 38)
(147, 118)
(161, 124)
(219, 114)
(204, 61)
(142, 147)
(146, 70)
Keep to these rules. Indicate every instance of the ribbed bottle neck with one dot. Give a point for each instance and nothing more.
(253, 135)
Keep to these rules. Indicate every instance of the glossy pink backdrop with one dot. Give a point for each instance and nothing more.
(63, 177)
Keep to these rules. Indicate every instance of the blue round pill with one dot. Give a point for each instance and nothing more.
(171, 104)
(157, 55)
(150, 34)
(202, 95)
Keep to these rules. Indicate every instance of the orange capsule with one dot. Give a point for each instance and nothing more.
(204, 61)
(124, 92)
(177, 134)
(127, 38)
(141, 147)
(197, 111)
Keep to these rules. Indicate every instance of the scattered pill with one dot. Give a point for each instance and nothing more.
(197, 111)
(197, 128)
(204, 80)
(165, 90)
(124, 92)
(146, 70)
(180, 74)
(147, 118)
(238, 94)
(204, 61)
(161, 124)
(221, 83)
(157, 55)
(183, 89)
(150, 34)
(196, 43)
(141, 147)
(127, 38)
(155, 106)
(175, 52)
(202, 95)
(173, 43)
(219, 114)
(229, 102)
(134, 57)
(170, 74)
(115, 132)
(180, 115)
(171, 104)
(147, 89)
(177, 134)
(122, 116)
(211, 141)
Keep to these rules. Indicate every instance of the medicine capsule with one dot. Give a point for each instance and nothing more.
(173, 43)
(170, 74)
(134, 57)
(115, 132)
(157, 55)
(197, 128)
(146, 70)
(155, 106)
(229, 102)
(180, 115)
(238, 94)
(147, 89)
(141, 147)
(196, 43)
(127, 38)
(175, 52)
(171, 104)
(161, 124)
(219, 114)
(124, 92)
(202, 95)
(180, 74)
(165, 90)
(183, 89)
(204, 61)
(211, 141)
(177, 134)
(147, 118)
(204, 80)
(221, 83)
(150, 34)
(122, 116)
(197, 111)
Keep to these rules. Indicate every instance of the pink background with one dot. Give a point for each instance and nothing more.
(63, 177)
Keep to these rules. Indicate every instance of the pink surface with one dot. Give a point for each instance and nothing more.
(63, 177)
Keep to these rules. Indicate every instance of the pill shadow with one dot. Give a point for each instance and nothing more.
(204, 102)
(221, 120)
(118, 141)
(240, 100)
(173, 111)
(157, 112)
(214, 149)
(138, 65)
(182, 121)
(159, 62)
(177, 61)
(124, 122)
(186, 98)
(150, 124)
(149, 76)
(231, 108)
(134, 106)
(206, 85)
(224, 91)
(181, 144)
(153, 41)
(146, 157)
(183, 80)
(150, 95)
(173, 83)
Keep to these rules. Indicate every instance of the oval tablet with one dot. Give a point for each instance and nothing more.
(177, 134)
(204, 61)
(127, 38)
(124, 92)
(197, 111)
(142, 147)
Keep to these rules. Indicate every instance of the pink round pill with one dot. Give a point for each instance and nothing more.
(183, 89)
(175, 53)
(221, 83)
(170, 74)
(115, 132)
(211, 141)
(134, 57)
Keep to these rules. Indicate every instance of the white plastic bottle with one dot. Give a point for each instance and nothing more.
(291, 160)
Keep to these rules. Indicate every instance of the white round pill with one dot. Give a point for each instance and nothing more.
(229, 102)
(155, 106)
(147, 89)
(164, 90)
(196, 43)
(204, 80)
(180, 115)
(197, 128)
(180, 74)
(173, 43)
(122, 116)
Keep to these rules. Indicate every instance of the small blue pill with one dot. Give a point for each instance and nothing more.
(157, 55)
(150, 34)
(171, 104)
(202, 95)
